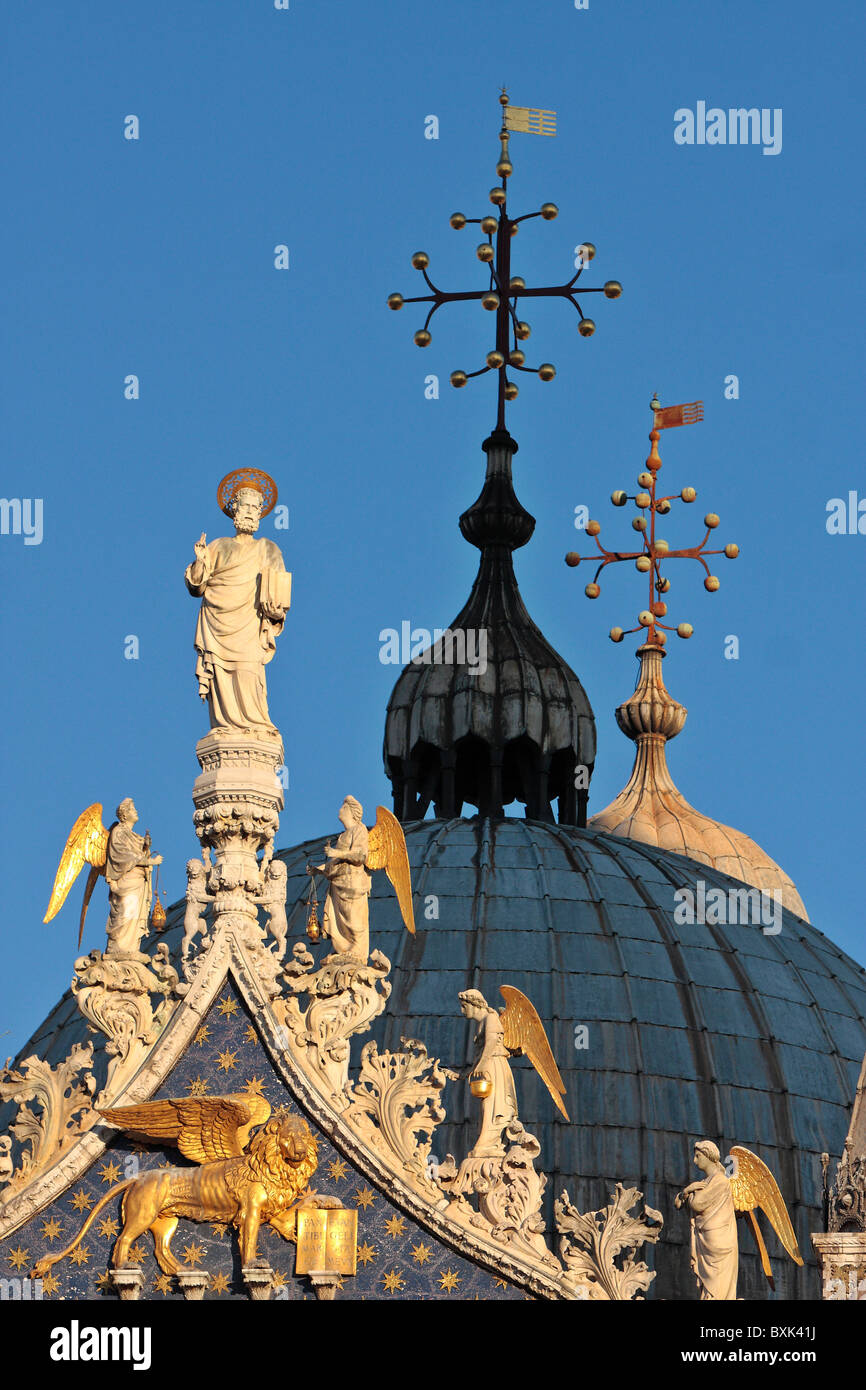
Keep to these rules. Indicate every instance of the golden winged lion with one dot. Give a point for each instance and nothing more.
(502, 1034)
(242, 1180)
(360, 851)
(123, 858)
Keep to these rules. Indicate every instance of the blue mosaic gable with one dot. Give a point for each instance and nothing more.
(397, 1258)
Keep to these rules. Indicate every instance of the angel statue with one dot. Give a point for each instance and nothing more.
(242, 1180)
(713, 1203)
(245, 593)
(503, 1034)
(125, 861)
(358, 852)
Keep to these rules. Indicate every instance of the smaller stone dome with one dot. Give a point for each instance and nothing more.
(651, 809)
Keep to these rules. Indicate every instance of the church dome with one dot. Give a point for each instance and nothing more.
(651, 807)
(692, 1031)
(663, 1033)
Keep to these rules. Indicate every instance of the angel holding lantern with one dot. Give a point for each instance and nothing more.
(501, 1035)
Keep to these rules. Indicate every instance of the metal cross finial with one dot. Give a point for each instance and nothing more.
(655, 549)
(504, 290)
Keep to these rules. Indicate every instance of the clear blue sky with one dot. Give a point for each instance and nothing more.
(306, 127)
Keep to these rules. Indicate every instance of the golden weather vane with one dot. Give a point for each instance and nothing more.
(505, 291)
(655, 549)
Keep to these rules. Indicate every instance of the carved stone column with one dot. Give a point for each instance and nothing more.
(128, 1282)
(325, 1285)
(259, 1279)
(193, 1283)
(843, 1264)
(238, 799)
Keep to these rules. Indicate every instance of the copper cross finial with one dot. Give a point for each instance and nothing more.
(655, 550)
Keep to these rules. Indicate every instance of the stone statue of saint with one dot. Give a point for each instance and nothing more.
(710, 1203)
(245, 593)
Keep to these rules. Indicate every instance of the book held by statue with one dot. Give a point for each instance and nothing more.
(275, 589)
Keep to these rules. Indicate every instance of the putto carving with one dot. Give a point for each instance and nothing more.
(395, 1106)
(249, 1180)
(598, 1247)
(124, 859)
(273, 901)
(359, 851)
(745, 1185)
(345, 995)
(64, 1097)
(197, 899)
(7, 1167)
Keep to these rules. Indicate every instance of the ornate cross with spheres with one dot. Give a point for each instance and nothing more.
(505, 291)
(655, 550)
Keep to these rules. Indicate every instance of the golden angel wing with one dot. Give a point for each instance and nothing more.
(87, 843)
(203, 1128)
(387, 850)
(524, 1032)
(753, 1185)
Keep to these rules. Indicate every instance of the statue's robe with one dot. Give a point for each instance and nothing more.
(128, 889)
(233, 639)
(714, 1237)
(498, 1108)
(347, 914)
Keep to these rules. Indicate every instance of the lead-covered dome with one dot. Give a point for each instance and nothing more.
(703, 1031)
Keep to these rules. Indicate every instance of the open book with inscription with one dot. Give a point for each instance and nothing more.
(327, 1241)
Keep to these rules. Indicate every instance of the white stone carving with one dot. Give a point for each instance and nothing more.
(114, 993)
(244, 591)
(64, 1097)
(598, 1247)
(508, 1189)
(345, 995)
(395, 1106)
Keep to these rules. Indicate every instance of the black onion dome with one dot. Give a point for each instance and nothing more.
(515, 731)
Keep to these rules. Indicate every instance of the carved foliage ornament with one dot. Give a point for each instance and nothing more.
(598, 1247)
(65, 1109)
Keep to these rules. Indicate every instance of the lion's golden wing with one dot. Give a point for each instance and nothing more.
(87, 843)
(387, 850)
(203, 1128)
(524, 1032)
(753, 1185)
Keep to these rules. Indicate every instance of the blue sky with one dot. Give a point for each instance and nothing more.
(306, 127)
